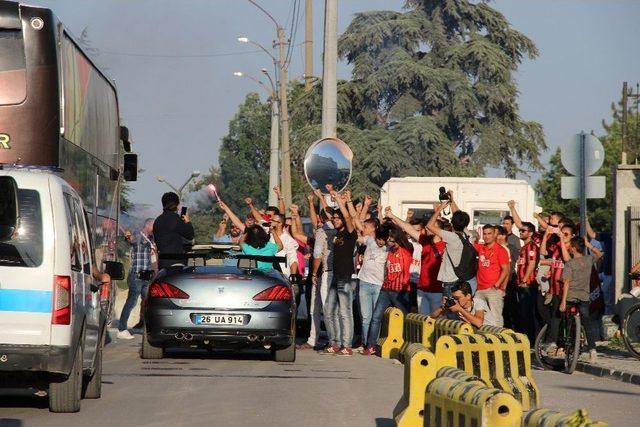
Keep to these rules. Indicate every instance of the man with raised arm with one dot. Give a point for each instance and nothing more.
(339, 307)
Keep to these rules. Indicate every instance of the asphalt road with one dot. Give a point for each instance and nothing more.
(248, 389)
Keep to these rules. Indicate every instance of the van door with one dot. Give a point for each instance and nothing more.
(90, 290)
(26, 275)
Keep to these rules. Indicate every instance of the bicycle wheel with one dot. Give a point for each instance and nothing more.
(539, 351)
(572, 343)
(631, 330)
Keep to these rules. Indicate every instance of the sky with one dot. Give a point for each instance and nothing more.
(173, 63)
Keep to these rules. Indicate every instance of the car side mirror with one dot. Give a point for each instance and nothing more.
(124, 137)
(130, 167)
(9, 213)
(114, 269)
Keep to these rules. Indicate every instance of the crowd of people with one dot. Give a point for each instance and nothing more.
(357, 259)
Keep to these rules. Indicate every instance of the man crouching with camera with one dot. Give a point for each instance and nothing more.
(461, 306)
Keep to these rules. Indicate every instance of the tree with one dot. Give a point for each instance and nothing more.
(440, 73)
(600, 211)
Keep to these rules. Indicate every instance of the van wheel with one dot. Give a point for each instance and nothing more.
(93, 383)
(65, 396)
(149, 351)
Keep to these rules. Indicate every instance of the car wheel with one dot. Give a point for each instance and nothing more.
(149, 351)
(65, 396)
(93, 383)
(286, 354)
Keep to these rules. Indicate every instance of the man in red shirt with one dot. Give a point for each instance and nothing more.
(493, 272)
(527, 287)
(395, 288)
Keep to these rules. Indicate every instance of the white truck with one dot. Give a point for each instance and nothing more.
(484, 199)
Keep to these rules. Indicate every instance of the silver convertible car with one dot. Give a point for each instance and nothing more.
(227, 302)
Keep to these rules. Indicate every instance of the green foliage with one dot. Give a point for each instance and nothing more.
(451, 62)
(600, 211)
(432, 93)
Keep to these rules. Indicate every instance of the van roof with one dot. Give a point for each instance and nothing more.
(35, 177)
(454, 179)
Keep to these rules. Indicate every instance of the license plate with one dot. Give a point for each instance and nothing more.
(219, 319)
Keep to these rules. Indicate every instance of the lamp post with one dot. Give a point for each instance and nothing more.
(274, 156)
(284, 112)
(194, 174)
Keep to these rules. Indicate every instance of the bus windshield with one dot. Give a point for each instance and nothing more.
(13, 73)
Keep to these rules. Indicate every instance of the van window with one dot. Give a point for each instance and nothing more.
(74, 234)
(484, 217)
(25, 247)
(84, 242)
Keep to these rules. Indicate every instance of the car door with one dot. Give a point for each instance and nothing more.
(91, 300)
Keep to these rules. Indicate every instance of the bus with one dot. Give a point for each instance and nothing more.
(59, 110)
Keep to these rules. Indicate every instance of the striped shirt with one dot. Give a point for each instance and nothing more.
(398, 270)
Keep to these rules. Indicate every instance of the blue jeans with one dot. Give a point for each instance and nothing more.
(368, 297)
(137, 287)
(387, 298)
(339, 312)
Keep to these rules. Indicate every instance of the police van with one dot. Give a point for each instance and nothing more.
(52, 324)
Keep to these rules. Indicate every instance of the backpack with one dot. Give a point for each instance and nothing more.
(468, 266)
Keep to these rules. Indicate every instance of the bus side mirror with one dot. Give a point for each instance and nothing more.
(124, 137)
(114, 269)
(130, 167)
(9, 214)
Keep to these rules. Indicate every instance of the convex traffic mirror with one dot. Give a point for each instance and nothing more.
(328, 161)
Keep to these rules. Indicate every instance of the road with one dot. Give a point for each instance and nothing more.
(225, 389)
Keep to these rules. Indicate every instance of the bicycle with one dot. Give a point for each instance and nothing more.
(571, 340)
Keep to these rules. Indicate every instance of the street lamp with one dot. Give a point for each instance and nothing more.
(274, 157)
(282, 92)
(194, 174)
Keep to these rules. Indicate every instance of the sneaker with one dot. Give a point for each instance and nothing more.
(345, 351)
(330, 349)
(124, 335)
(138, 325)
(359, 349)
(551, 349)
(369, 351)
(305, 346)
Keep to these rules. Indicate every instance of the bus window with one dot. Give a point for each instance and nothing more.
(13, 73)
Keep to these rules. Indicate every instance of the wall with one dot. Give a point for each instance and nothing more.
(626, 185)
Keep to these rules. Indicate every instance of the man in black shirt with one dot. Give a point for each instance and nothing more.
(338, 309)
(171, 232)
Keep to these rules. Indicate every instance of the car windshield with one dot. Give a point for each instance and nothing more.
(24, 249)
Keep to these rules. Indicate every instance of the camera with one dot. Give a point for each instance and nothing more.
(443, 195)
(449, 302)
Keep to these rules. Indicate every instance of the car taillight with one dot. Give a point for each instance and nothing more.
(61, 314)
(166, 290)
(274, 293)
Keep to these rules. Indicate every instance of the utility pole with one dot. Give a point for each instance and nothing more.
(624, 122)
(274, 155)
(308, 44)
(285, 181)
(330, 63)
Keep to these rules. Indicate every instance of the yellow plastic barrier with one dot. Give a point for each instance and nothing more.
(457, 374)
(549, 418)
(452, 402)
(419, 370)
(493, 330)
(502, 361)
(414, 329)
(443, 327)
(390, 339)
